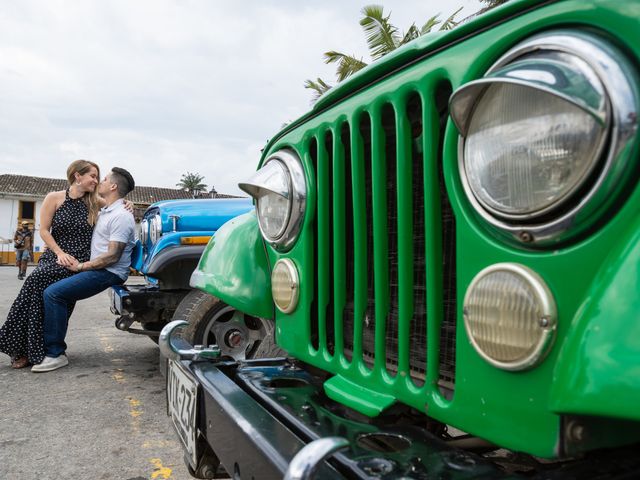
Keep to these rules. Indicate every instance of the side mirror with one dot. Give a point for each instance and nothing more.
(177, 348)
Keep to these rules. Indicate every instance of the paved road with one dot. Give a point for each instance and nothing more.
(103, 417)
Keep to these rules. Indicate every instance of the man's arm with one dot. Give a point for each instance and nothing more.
(114, 252)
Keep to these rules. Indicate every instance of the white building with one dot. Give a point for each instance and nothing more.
(21, 198)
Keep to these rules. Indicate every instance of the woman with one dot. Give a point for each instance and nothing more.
(67, 218)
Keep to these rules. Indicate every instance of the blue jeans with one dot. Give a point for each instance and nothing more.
(60, 297)
(22, 254)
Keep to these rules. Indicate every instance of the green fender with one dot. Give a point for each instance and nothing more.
(598, 369)
(234, 267)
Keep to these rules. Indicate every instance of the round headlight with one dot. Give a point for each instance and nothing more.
(144, 231)
(155, 228)
(285, 286)
(510, 316)
(274, 206)
(280, 194)
(526, 151)
(544, 135)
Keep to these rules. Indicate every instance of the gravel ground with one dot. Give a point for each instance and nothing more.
(102, 417)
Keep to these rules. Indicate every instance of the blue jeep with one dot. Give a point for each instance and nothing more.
(173, 234)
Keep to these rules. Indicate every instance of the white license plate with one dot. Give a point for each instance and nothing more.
(181, 403)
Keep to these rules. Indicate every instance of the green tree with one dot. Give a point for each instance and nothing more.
(192, 183)
(382, 38)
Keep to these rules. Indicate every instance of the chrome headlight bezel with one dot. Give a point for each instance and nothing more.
(144, 231)
(294, 191)
(616, 111)
(155, 228)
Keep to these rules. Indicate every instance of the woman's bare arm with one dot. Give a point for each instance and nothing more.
(51, 203)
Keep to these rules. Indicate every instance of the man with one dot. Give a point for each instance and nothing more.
(111, 245)
(22, 243)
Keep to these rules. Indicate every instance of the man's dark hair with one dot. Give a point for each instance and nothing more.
(123, 180)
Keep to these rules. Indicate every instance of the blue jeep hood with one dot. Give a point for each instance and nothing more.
(199, 214)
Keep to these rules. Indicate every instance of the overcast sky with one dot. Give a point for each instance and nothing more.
(162, 87)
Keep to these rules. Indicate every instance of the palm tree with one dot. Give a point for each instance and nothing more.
(489, 5)
(382, 38)
(192, 183)
(493, 3)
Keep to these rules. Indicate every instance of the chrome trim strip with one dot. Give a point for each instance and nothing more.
(258, 184)
(460, 112)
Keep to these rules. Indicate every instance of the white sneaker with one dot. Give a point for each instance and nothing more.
(51, 363)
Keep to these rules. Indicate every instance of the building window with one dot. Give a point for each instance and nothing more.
(27, 210)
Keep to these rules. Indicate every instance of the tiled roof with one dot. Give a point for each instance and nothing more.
(32, 186)
(39, 187)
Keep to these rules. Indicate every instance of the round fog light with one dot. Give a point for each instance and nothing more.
(285, 285)
(510, 316)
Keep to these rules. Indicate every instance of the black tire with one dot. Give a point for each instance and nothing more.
(239, 336)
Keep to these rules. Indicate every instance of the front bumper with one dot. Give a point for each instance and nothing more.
(258, 415)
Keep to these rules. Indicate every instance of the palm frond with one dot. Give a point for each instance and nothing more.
(347, 64)
(318, 86)
(411, 34)
(382, 37)
(428, 26)
(493, 3)
(450, 22)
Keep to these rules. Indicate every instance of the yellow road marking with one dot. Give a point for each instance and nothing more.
(157, 444)
(106, 346)
(134, 404)
(135, 412)
(160, 471)
(119, 376)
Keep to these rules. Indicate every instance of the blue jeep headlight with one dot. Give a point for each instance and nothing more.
(144, 231)
(155, 228)
(280, 194)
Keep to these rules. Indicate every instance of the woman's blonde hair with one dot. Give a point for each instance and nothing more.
(90, 198)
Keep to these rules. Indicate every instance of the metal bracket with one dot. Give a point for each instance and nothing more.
(174, 220)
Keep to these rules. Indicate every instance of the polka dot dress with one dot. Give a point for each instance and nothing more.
(21, 335)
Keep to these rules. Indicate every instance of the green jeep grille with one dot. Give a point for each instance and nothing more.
(376, 267)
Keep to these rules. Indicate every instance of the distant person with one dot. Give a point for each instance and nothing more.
(23, 244)
(67, 218)
(111, 246)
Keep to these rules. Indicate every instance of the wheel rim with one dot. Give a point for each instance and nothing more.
(238, 335)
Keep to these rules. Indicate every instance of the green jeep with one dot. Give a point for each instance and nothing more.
(449, 244)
